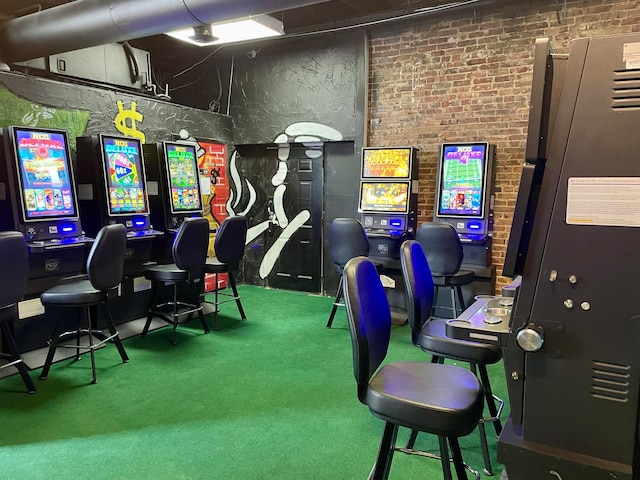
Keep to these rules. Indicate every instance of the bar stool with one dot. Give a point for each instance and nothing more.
(14, 271)
(229, 249)
(189, 253)
(443, 249)
(105, 267)
(430, 335)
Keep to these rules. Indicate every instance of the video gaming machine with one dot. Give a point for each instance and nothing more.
(388, 198)
(41, 203)
(174, 192)
(464, 196)
(572, 339)
(112, 189)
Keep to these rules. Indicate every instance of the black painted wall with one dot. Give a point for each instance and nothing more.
(299, 90)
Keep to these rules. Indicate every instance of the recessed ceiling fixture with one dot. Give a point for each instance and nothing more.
(259, 26)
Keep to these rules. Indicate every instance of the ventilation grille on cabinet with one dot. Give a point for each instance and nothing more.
(610, 381)
(626, 89)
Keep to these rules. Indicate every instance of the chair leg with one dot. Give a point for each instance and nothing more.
(195, 288)
(336, 302)
(7, 336)
(412, 439)
(489, 398)
(114, 333)
(216, 306)
(458, 462)
(88, 316)
(385, 453)
(460, 299)
(232, 281)
(454, 306)
(152, 306)
(52, 347)
(444, 458)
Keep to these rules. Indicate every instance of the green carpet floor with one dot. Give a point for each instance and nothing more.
(270, 398)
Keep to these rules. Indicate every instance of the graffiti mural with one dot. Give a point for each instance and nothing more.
(310, 134)
(20, 111)
(126, 121)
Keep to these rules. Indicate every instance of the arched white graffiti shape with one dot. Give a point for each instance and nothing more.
(278, 206)
(257, 230)
(281, 174)
(313, 128)
(272, 255)
(238, 182)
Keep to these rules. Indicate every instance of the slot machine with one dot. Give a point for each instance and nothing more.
(174, 190)
(41, 203)
(388, 198)
(112, 188)
(570, 340)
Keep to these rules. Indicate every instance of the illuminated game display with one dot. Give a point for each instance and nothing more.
(377, 197)
(394, 162)
(124, 176)
(182, 173)
(46, 184)
(462, 177)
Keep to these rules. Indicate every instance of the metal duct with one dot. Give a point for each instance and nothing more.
(87, 23)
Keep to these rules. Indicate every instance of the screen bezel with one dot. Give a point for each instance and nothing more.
(483, 192)
(13, 135)
(194, 147)
(375, 210)
(105, 170)
(408, 176)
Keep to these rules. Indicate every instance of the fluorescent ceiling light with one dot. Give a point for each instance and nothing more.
(260, 26)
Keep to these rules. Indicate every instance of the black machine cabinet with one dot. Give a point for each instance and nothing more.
(571, 346)
(97, 194)
(388, 198)
(38, 200)
(173, 185)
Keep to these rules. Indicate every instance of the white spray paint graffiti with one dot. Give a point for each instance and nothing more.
(300, 132)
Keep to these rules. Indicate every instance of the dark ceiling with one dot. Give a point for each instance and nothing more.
(322, 16)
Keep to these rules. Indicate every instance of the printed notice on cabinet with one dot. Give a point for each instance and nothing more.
(604, 201)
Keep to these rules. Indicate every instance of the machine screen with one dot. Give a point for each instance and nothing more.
(378, 197)
(462, 180)
(46, 183)
(124, 174)
(184, 182)
(386, 162)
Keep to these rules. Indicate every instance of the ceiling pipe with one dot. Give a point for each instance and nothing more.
(88, 23)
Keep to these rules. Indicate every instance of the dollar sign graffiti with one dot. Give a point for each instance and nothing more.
(133, 116)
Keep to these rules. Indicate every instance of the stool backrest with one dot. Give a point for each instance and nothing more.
(190, 245)
(230, 240)
(347, 239)
(14, 268)
(105, 264)
(441, 246)
(369, 320)
(418, 285)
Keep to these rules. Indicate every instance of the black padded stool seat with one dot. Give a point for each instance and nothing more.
(451, 411)
(229, 250)
(189, 251)
(14, 272)
(74, 294)
(460, 278)
(105, 267)
(443, 400)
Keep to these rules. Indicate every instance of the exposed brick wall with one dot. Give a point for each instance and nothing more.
(466, 76)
